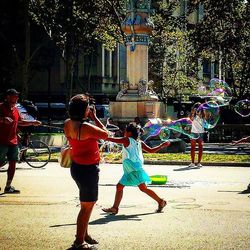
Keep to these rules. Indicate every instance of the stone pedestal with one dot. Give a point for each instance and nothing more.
(126, 111)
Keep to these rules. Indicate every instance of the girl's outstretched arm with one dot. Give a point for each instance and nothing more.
(148, 149)
(120, 140)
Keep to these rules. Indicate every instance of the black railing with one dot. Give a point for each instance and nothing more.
(228, 132)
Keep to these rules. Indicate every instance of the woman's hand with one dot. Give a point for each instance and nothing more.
(36, 123)
(92, 112)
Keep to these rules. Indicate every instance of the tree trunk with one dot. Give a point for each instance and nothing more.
(25, 66)
(220, 63)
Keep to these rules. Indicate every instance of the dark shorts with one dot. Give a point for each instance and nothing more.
(197, 136)
(8, 151)
(86, 178)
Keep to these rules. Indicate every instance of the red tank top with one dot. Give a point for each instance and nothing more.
(85, 152)
(8, 132)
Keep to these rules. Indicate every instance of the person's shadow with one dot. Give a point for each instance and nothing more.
(109, 218)
(246, 191)
(186, 168)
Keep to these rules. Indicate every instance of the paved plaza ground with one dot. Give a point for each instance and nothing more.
(205, 210)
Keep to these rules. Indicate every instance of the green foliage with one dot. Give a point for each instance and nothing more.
(223, 34)
(172, 66)
(76, 27)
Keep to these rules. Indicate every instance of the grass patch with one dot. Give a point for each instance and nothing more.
(117, 157)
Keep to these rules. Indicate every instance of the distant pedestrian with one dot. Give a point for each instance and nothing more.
(198, 119)
(134, 174)
(10, 118)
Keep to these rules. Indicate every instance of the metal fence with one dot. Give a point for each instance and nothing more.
(228, 132)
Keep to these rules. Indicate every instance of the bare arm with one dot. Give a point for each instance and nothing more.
(24, 123)
(93, 117)
(243, 140)
(89, 130)
(120, 140)
(148, 149)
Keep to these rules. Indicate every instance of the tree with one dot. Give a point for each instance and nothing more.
(172, 66)
(75, 26)
(20, 50)
(15, 34)
(222, 35)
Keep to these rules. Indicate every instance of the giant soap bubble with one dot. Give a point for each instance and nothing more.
(216, 90)
(165, 128)
(152, 128)
(182, 126)
(220, 91)
(211, 112)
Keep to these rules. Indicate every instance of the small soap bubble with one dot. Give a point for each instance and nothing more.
(242, 108)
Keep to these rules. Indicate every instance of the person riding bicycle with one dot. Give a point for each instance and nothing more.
(9, 120)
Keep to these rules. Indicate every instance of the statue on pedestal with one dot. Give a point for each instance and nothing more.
(137, 27)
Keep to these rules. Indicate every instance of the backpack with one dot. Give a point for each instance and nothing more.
(30, 107)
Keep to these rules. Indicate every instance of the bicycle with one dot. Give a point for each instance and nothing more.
(35, 153)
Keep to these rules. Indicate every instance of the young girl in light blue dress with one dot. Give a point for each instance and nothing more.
(134, 174)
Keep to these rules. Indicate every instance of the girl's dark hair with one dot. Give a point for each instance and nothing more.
(133, 129)
(77, 107)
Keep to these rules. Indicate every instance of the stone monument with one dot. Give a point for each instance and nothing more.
(136, 97)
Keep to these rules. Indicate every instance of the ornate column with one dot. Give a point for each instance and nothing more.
(136, 97)
(137, 28)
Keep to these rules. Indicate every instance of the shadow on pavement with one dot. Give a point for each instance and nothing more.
(228, 191)
(186, 168)
(247, 191)
(64, 225)
(109, 218)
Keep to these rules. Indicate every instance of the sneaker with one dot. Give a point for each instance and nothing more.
(191, 165)
(11, 190)
(199, 165)
(82, 246)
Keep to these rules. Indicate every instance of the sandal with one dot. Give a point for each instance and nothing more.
(111, 210)
(88, 239)
(161, 205)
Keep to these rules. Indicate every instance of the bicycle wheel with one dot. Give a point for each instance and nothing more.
(37, 154)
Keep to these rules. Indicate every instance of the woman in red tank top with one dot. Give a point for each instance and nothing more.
(83, 138)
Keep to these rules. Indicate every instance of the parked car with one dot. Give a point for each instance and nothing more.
(102, 112)
(53, 111)
(52, 116)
